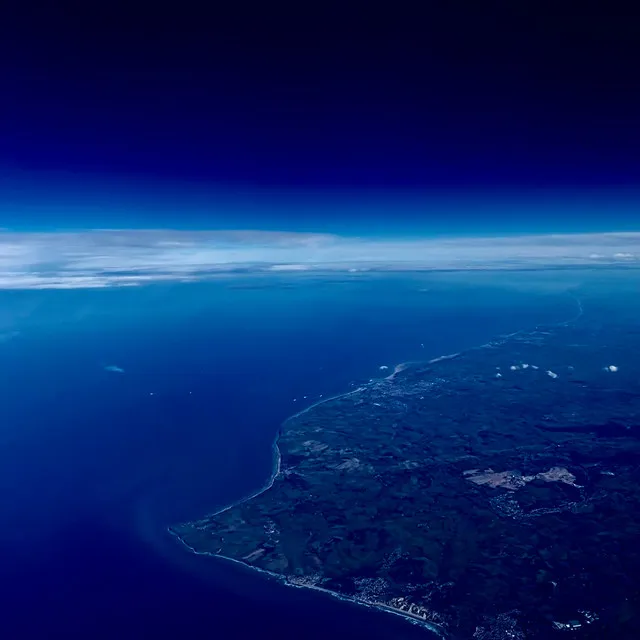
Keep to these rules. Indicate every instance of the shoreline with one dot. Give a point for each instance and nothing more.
(319, 402)
(433, 627)
(430, 626)
(275, 472)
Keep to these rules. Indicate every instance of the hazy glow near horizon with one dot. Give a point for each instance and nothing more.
(101, 258)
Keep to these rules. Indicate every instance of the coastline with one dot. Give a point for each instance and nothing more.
(407, 616)
(431, 626)
(319, 402)
(275, 472)
(434, 628)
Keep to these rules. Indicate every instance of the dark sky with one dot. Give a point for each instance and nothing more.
(455, 96)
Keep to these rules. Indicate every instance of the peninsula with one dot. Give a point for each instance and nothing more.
(474, 494)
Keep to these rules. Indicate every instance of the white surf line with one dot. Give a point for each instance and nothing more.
(274, 474)
(579, 314)
(398, 368)
(431, 626)
(277, 467)
(504, 337)
(315, 404)
(450, 356)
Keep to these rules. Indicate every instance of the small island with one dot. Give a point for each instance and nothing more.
(475, 494)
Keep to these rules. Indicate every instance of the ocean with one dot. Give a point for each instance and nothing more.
(125, 410)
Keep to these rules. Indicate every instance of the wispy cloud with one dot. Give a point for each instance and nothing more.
(102, 258)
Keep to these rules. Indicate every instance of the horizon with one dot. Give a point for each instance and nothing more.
(215, 217)
(131, 257)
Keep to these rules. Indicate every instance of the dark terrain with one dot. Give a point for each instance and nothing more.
(494, 494)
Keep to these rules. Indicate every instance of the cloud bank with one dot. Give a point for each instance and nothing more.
(102, 258)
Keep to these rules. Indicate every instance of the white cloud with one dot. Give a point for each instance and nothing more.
(101, 258)
(290, 267)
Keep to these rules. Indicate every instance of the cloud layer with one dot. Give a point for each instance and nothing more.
(100, 258)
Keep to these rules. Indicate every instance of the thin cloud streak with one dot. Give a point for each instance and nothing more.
(103, 258)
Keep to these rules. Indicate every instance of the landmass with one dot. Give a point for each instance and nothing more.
(476, 494)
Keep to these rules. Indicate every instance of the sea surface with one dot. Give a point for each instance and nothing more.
(123, 411)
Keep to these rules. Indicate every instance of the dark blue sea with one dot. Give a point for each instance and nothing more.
(95, 463)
